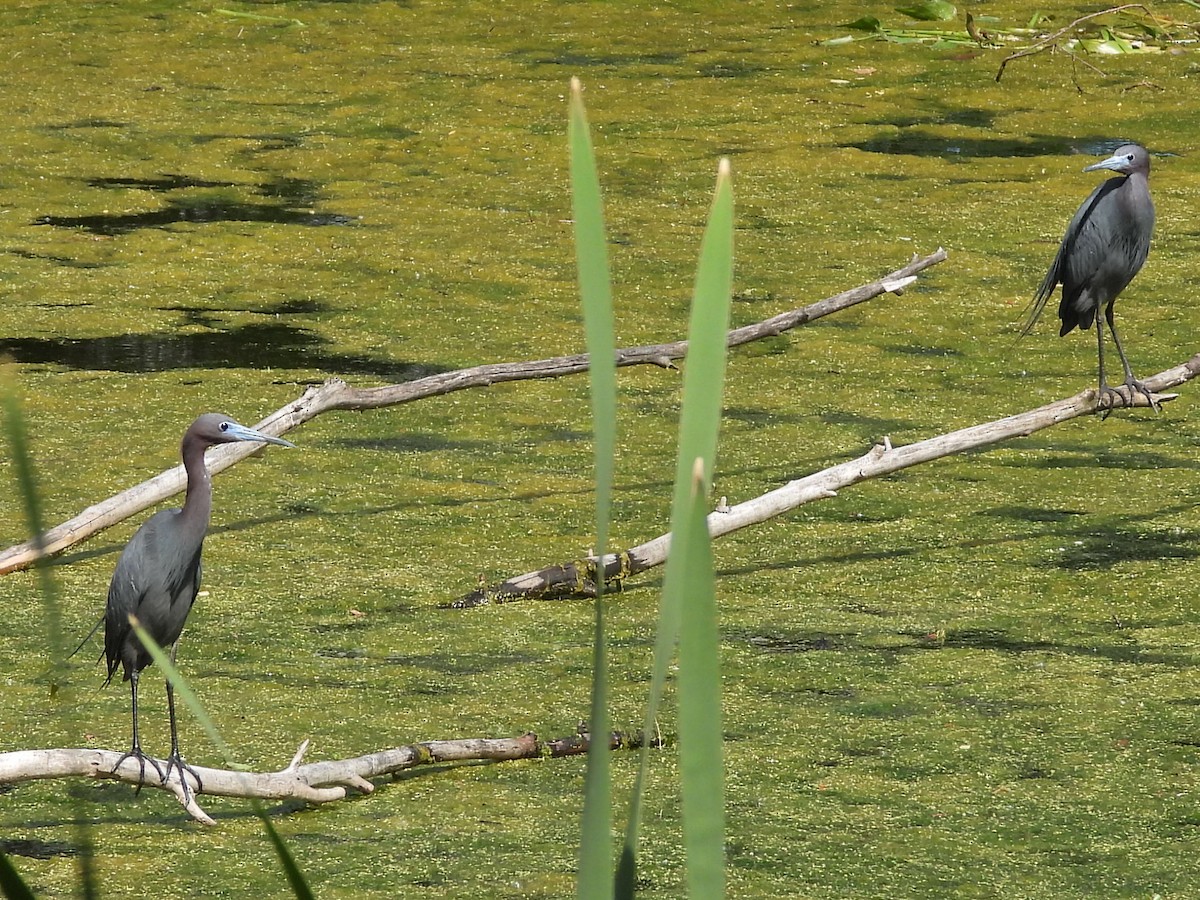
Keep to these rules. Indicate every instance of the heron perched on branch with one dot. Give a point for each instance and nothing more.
(158, 576)
(1106, 243)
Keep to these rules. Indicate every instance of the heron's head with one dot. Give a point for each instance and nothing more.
(1128, 158)
(215, 428)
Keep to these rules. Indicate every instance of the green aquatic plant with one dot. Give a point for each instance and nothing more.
(18, 442)
(687, 616)
(591, 254)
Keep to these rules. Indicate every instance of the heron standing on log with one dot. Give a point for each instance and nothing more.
(1106, 243)
(158, 577)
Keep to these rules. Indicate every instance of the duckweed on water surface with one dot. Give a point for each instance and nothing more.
(972, 679)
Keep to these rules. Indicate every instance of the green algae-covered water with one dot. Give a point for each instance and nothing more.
(972, 679)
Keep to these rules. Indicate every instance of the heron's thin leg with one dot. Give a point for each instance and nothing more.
(1106, 397)
(1131, 382)
(175, 760)
(136, 749)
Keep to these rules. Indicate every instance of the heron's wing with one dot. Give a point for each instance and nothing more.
(156, 580)
(1091, 235)
(1065, 261)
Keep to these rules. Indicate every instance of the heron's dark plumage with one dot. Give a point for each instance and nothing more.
(1104, 247)
(157, 577)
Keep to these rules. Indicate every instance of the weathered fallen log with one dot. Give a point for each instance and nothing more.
(577, 578)
(337, 394)
(320, 782)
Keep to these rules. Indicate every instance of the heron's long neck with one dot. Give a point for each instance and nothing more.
(198, 506)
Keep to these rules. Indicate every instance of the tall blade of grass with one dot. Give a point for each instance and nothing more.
(690, 562)
(295, 877)
(18, 439)
(701, 759)
(10, 882)
(591, 255)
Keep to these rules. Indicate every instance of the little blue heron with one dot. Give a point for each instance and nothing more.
(1105, 245)
(158, 576)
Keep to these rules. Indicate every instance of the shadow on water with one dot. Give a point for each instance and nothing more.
(293, 199)
(921, 142)
(887, 644)
(37, 849)
(199, 212)
(255, 346)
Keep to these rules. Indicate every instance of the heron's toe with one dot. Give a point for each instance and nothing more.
(1137, 387)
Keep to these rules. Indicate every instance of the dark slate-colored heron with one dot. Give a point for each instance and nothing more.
(1105, 246)
(158, 576)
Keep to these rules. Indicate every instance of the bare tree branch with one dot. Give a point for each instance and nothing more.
(321, 782)
(577, 578)
(1050, 41)
(336, 394)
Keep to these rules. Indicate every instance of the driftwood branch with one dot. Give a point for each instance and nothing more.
(321, 782)
(1050, 41)
(336, 394)
(578, 577)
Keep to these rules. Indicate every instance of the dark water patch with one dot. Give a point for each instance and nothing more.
(1031, 773)
(266, 142)
(1122, 457)
(856, 556)
(886, 645)
(296, 191)
(920, 142)
(256, 346)
(881, 708)
(732, 68)
(165, 182)
(196, 211)
(384, 130)
(1125, 652)
(429, 689)
(462, 663)
(874, 427)
(573, 59)
(754, 295)
(341, 652)
(209, 316)
(996, 639)
(87, 123)
(760, 417)
(412, 443)
(37, 849)
(1108, 547)
(991, 707)
(802, 643)
(919, 350)
(966, 117)
(868, 610)
(68, 261)
(1030, 514)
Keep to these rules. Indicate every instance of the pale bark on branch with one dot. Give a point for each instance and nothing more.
(336, 394)
(577, 578)
(312, 783)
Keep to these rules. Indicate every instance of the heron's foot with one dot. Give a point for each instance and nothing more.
(175, 761)
(1136, 387)
(1109, 398)
(136, 753)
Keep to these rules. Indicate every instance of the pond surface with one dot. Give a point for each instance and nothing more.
(971, 679)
